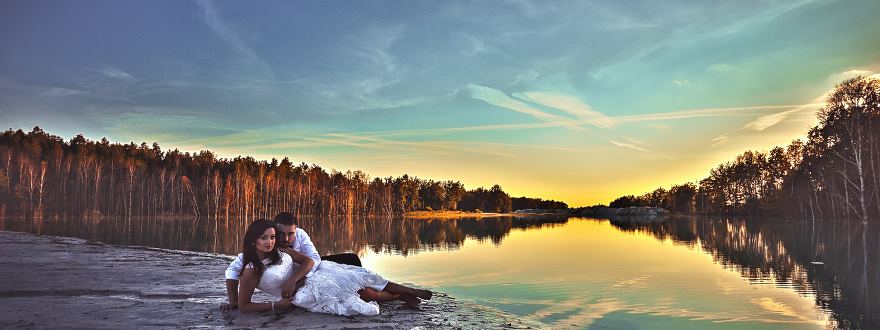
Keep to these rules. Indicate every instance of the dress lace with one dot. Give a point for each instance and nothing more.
(332, 288)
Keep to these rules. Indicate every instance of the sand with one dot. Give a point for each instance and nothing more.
(60, 282)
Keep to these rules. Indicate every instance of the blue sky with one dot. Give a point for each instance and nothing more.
(579, 101)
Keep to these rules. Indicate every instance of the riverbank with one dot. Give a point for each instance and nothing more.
(52, 282)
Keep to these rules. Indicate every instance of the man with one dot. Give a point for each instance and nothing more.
(300, 241)
(291, 237)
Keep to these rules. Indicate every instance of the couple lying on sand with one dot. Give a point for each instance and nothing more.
(294, 274)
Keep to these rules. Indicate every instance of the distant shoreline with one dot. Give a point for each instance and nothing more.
(467, 214)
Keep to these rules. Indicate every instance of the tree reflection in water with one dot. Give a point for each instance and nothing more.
(408, 236)
(835, 260)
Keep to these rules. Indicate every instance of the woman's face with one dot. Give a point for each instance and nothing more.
(266, 241)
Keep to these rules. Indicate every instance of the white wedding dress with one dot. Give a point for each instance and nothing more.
(332, 288)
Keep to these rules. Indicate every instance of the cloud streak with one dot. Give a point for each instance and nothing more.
(627, 145)
(116, 74)
(571, 105)
(499, 99)
(227, 34)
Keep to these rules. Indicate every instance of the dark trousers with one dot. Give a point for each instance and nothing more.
(344, 258)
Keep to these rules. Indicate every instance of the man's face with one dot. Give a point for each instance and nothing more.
(287, 235)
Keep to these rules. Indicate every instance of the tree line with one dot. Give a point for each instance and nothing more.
(43, 175)
(833, 173)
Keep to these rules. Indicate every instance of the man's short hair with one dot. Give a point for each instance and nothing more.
(285, 218)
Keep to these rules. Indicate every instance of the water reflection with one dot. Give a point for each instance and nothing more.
(835, 260)
(405, 237)
(330, 235)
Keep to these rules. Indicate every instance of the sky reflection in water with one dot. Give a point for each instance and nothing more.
(590, 272)
(680, 272)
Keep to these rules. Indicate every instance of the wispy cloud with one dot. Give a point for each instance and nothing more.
(838, 77)
(525, 77)
(44, 91)
(367, 68)
(474, 46)
(706, 112)
(633, 141)
(227, 34)
(420, 147)
(168, 123)
(674, 115)
(62, 92)
(768, 13)
(571, 105)
(116, 73)
(764, 122)
(721, 139)
(374, 44)
(627, 145)
(612, 19)
(499, 99)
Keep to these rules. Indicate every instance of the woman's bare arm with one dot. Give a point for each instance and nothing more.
(247, 283)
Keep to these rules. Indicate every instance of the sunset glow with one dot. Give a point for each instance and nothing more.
(570, 101)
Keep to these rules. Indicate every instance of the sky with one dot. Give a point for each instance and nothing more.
(578, 101)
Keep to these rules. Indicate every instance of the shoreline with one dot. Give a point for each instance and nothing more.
(75, 283)
(435, 215)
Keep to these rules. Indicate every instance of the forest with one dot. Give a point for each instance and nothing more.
(41, 175)
(833, 173)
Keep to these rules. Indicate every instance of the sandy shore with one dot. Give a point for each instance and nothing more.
(59, 282)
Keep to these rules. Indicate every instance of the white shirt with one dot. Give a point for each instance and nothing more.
(302, 243)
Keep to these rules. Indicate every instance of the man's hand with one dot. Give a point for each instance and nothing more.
(228, 307)
(290, 289)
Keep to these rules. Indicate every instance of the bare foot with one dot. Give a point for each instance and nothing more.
(410, 300)
(424, 294)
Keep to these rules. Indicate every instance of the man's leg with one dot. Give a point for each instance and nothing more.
(344, 258)
(368, 295)
(395, 288)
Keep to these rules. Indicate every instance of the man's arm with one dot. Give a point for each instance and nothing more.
(231, 295)
(305, 266)
(307, 248)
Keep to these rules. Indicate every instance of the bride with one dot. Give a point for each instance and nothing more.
(332, 288)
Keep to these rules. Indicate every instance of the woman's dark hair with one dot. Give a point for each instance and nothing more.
(249, 248)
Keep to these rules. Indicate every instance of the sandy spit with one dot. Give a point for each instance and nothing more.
(59, 282)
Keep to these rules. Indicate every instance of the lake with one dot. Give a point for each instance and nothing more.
(679, 272)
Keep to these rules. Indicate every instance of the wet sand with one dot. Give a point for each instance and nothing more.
(60, 282)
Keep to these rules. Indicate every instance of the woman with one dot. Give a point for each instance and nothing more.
(332, 288)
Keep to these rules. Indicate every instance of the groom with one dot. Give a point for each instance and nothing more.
(299, 240)
(290, 236)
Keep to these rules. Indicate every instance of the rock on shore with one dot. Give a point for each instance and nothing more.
(59, 282)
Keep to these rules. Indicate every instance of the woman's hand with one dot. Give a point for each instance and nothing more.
(289, 289)
(228, 307)
(283, 305)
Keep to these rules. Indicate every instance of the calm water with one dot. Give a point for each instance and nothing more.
(585, 273)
